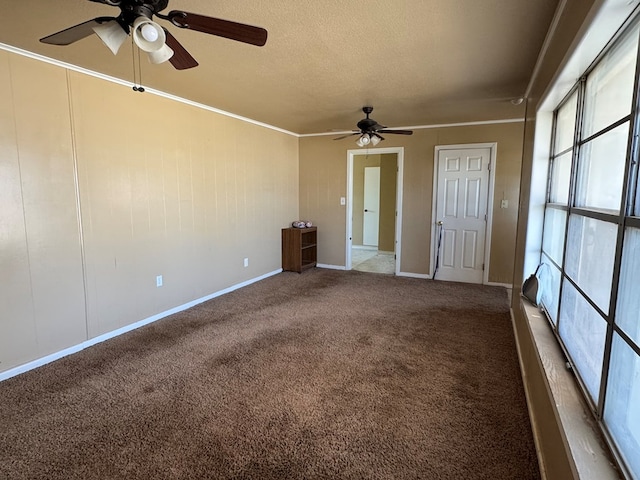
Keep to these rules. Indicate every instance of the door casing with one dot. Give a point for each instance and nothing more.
(399, 151)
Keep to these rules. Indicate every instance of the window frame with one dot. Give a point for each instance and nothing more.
(627, 216)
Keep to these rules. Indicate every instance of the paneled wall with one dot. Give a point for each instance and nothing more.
(103, 189)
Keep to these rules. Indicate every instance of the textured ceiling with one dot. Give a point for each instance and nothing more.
(418, 62)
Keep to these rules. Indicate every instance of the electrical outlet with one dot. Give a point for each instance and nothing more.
(343, 201)
(159, 281)
(246, 262)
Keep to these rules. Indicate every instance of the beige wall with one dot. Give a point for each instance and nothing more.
(102, 189)
(323, 170)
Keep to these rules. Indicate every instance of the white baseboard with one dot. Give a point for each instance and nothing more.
(331, 267)
(497, 284)
(414, 275)
(401, 274)
(114, 333)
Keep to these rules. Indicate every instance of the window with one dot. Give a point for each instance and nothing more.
(591, 242)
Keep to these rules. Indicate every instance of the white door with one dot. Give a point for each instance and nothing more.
(461, 206)
(371, 216)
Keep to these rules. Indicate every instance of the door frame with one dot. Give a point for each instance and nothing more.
(493, 148)
(399, 151)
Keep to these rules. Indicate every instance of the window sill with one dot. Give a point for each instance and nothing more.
(585, 448)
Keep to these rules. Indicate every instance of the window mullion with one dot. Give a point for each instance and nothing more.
(627, 195)
(572, 182)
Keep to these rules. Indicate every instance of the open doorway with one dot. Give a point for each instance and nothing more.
(373, 213)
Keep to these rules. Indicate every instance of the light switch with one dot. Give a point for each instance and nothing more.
(343, 201)
(504, 204)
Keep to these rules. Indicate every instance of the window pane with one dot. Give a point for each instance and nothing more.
(583, 331)
(550, 281)
(609, 89)
(622, 411)
(560, 174)
(628, 310)
(565, 124)
(553, 236)
(591, 246)
(601, 170)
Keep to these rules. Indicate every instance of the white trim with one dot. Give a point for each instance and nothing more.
(399, 151)
(399, 274)
(399, 197)
(364, 247)
(114, 333)
(349, 212)
(331, 267)
(127, 83)
(414, 275)
(493, 148)
(498, 284)
(422, 127)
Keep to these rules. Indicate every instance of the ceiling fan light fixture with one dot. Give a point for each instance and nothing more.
(148, 35)
(160, 56)
(375, 140)
(364, 140)
(112, 35)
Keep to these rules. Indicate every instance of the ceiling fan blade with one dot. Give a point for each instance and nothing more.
(181, 59)
(216, 26)
(347, 135)
(75, 33)
(397, 132)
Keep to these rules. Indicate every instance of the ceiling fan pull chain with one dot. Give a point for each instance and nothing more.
(136, 88)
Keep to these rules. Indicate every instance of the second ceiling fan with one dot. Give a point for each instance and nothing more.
(370, 130)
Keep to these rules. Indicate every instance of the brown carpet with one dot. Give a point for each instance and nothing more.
(324, 375)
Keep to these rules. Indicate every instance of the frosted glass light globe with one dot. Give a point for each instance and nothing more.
(149, 33)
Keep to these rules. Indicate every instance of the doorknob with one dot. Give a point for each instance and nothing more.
(366, 210)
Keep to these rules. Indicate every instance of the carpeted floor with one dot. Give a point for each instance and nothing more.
(324, 375)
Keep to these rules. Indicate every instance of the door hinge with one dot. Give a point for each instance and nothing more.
(489, 166)
(483, 267)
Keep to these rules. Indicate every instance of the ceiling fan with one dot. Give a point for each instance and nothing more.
(136, 17)
(370, 130)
